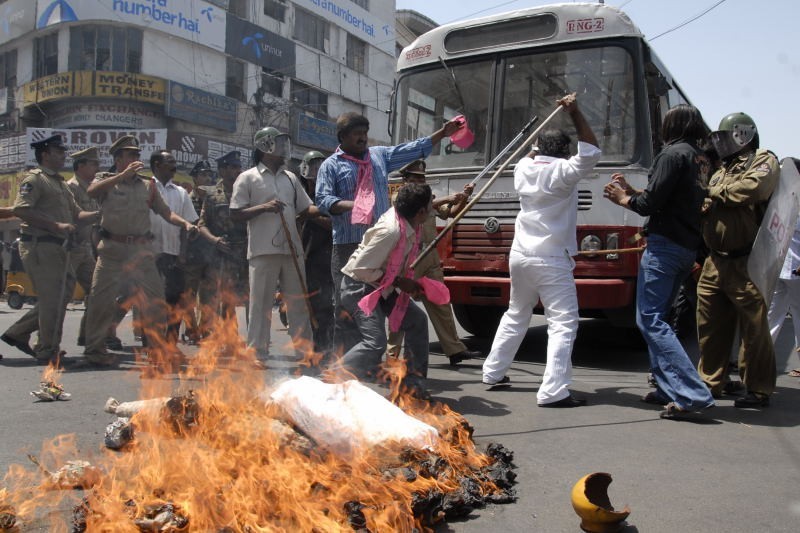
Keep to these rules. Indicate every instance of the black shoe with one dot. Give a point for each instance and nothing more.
(569, 401)
(112, 343)
(465, 354)
(81, 341)
(734, 388)
(752, 399)
(19, 345)
(505, 382)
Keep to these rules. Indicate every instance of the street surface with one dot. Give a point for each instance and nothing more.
(739, 472)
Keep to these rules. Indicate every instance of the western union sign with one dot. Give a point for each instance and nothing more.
(98, 84)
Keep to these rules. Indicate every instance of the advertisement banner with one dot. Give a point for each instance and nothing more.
(257, 45)
(108, 114)
(101, 84)
(316, 133)
(190, 148)
(201, 107)
(150, 140)
(13, 152)
(193, 20)
(17, 17)
(355, 20)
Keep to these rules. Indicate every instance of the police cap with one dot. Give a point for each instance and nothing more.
(126, 142)
(200, 167)
(231, 159)
(87, 154)
(54, 140)
(416, 167)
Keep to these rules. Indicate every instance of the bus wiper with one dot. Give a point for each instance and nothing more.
(454, 84)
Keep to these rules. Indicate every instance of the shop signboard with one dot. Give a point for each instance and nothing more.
(201, 107)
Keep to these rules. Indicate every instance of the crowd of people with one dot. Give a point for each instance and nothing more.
(340, 251)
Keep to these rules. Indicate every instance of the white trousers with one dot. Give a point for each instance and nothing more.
(550, 280)
(265, 273)
(785, 298)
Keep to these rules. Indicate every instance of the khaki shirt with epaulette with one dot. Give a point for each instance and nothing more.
(86, 203)
(45, 191)
(739, 192)
(125, 208)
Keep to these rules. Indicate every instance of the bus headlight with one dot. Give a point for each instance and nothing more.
(591, 243)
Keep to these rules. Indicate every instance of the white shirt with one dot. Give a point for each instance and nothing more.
(368, 262)
(265, 233)
(548, 199)
(168, 237)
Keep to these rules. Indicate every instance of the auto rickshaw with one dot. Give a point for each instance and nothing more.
(19, 288)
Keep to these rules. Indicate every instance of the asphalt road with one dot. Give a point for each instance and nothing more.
(739, 472)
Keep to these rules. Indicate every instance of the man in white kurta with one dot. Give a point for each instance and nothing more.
(541, 258)
(260, 195)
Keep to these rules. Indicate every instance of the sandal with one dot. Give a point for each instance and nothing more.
(673, 412)
(795, 373)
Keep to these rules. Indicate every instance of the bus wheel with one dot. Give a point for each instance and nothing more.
(15, 300)
(480, 320)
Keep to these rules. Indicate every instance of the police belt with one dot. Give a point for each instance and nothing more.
(126, 239)
(43, 238)
(734, 254)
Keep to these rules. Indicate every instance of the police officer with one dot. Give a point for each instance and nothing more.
(85, 164)
(317, 237)
(195, 267)
(125, 253)
(49, 215)
(737, 197)
(441, 316)
(228, 268)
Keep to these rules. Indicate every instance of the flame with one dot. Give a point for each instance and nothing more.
(239, 467)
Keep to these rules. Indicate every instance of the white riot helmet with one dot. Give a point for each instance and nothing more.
(271, 141)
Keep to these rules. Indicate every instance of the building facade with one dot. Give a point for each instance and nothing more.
(195, 77)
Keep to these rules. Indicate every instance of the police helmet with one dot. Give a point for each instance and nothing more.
(310, 156)
(271, 141)
(735, 132)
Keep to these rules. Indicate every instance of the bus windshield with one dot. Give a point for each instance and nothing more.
(527, 84)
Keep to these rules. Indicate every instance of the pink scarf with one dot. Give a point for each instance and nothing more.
(364, 201)
(435, 291)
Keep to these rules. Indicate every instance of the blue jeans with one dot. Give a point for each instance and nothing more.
(663, 267)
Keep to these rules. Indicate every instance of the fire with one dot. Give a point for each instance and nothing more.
(218, 457)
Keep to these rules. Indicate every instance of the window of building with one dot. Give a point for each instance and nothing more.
(310, 99)
(272, 82)
(45, 55)
(234, 79)
(8, 69)
(238, 8)
(105, 48)
(311, 29)
(356, 54)
(362, 3)
(275, 9)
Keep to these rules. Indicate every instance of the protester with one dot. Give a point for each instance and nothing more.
(376, 271)
(726, 297)
(49, 216)
(126, 260)
(353, 189)
(672, 201)
(270, 198)
(441, 316)
(787, 292)
(541, 258)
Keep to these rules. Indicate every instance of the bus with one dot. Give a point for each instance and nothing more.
(498, 72)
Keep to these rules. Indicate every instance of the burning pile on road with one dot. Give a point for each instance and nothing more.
(235, 455)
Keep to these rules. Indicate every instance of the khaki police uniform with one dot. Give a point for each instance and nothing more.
(44, 258)
(726, 297)
(126, 261)
(82, 256)
(227, 273)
